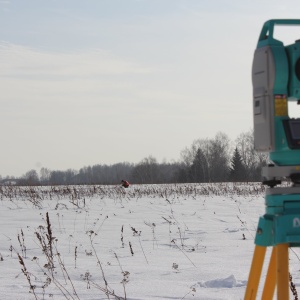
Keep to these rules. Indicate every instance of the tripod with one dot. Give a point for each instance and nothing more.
(277, 274)
(280, 229)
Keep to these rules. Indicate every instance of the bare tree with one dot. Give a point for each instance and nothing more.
(147, 171)
(44, 175)
(215, 156)
(219, 157)
(30, 178)
(253, 160)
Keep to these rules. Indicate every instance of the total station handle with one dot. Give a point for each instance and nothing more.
(268, 29)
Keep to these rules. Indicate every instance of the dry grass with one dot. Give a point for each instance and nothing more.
(77, 194)
(54, 272)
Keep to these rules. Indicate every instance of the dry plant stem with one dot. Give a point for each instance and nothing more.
(124, 289)
(192, 290)
(42, 241)
(75, 256)
(22, 243)
(169, 223)
(64, 270)
(107, 292)
(27, 275)
(62, 289)
(63, 225)
(293, 287)
(61, 266)
(143, 250)
(122, 273)
(85, 220)
(181, 238)
(46, 251)
(152, 226)
(49, 236)
(96, 233)
(74, 224)
(116, 256)
(185, 255)
(59, 226)
(122, 238)
(244, 225)
(295, 253)
(131, 250)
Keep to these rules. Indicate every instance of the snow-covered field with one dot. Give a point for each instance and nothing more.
(188, 241)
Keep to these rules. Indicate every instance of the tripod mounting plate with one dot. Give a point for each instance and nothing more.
(273, 175)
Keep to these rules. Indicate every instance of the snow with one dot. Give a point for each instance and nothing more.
(189, 241)
(228, 282)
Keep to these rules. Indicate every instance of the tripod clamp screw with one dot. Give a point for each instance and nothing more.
(259, 231)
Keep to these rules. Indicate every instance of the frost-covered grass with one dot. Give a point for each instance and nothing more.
(185, 241)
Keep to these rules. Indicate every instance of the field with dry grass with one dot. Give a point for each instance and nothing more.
(184, 241)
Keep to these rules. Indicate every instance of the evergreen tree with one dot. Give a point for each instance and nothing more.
(199, 168)
(238, 169)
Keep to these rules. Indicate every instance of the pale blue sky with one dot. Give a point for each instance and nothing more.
(106, 81)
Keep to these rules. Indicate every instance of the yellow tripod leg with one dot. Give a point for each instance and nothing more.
(282, 271)
(255, 272)
(270, 283)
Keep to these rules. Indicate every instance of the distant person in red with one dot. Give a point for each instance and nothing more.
(125, 183)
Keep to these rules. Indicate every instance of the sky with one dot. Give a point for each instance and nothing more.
(108, 81)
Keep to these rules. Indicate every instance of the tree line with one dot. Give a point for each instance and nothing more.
(206, 160)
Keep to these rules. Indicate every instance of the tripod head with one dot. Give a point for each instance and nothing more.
(276, 81)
